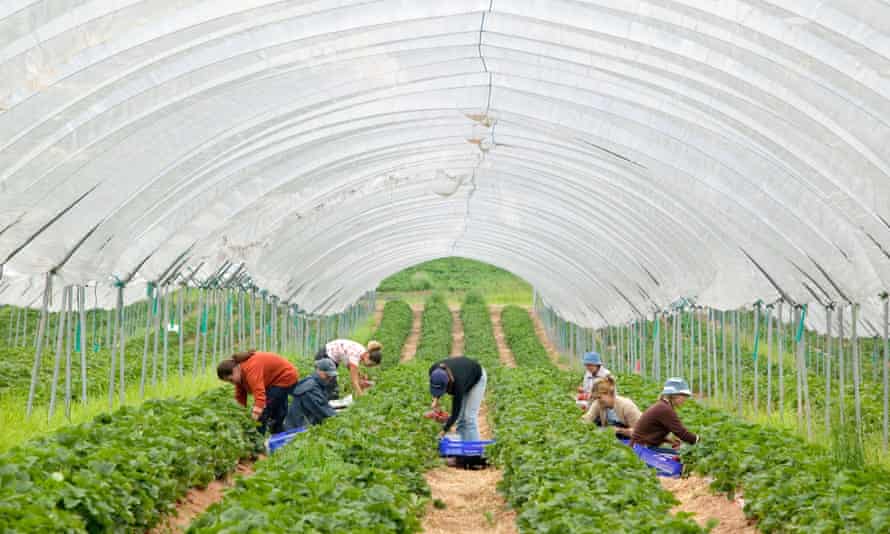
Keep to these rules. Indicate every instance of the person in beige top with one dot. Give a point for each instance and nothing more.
(611, 410)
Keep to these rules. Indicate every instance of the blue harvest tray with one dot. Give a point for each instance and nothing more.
(448, 447)
(665, 464)
(276, 441)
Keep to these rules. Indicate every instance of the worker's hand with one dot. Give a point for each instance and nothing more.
(256, 413)
(435, 404)
(441, 434)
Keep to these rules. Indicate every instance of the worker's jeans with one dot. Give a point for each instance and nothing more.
(273, 415)
(467, 421)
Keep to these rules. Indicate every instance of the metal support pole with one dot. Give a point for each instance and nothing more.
(828, 392)
(769, 361)
(181, 335)
(81, 306)
(781, 356)
(60, 339)
(155, 326)
(165, 322)
(41, 331)
(122, 358)
(857, 369)
(840, 365)
(885, 367)
(69, 336)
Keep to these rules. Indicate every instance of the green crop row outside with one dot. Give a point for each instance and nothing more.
(124, 470)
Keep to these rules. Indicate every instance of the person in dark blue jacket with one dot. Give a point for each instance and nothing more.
(309, 405)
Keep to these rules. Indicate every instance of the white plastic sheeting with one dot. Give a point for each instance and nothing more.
(617, 154)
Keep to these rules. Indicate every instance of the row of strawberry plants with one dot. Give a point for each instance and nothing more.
(789, 485)
(558, 475)
(395, 326)
(124, 470)
(360, 471)
(564, 477)
(479, 342)
(519, 333)
(436, 337)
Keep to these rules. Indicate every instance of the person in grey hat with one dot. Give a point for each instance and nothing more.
(660, 420)
(310, 397)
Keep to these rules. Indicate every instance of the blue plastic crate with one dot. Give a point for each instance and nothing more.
(448, 447)
(665, 464)
(276, 441)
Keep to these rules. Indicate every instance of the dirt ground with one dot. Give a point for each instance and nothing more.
(696, 496)
(545, 340)
(472, 502)
(199, 499)
(504, 352)
(410, 347)
(457, 333)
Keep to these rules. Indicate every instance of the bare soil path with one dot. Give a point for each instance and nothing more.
(410, 347)
(457, 333)
(197, 500)
(472, 502)
(504, 352)
(695, 496)
(545, 340)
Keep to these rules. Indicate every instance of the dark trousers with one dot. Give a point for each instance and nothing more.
(332, 388)
(663, 450)
(273, 415)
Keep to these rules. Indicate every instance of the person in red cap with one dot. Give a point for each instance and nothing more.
(268, 377)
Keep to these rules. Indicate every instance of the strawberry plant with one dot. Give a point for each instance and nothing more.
(519, 333)
(359, 472)
(436, 338)
(479, 342)
(789, 485)
(393, 330)
(123, 470)
(561, 476)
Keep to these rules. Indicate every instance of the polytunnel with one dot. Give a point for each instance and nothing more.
(207, 197)
(617, 154)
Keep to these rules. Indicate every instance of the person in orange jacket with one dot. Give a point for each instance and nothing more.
(268, 377)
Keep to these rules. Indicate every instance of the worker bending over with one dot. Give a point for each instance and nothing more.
(310, 400)
(352, 354)
(611, 410)
(268, 377)
(660, 420)
(465, 380)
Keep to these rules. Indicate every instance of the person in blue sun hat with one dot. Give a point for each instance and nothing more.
(660, 422)
(594, 371)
